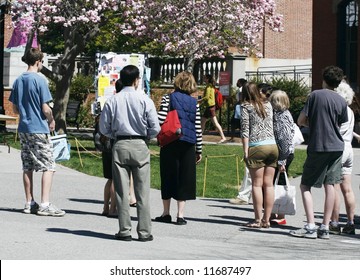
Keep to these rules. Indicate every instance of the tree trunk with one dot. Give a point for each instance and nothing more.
(189, 63)
(61, 100)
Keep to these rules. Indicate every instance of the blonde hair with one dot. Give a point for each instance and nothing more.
(185, 82)
(279, 100)
(345, 91)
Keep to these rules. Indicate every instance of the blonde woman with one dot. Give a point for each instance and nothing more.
(178, 159)
(260, 151)
(284, 131)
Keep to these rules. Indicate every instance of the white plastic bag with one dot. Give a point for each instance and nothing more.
(246, 186)
(298, 137)
(285, 197)
(61, 147)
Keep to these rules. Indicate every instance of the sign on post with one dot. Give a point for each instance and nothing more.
(224, 83)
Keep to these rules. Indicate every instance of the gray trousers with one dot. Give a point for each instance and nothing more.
(132, 157)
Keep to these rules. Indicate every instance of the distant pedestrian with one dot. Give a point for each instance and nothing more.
(235, 119)
(130, 118)
(240, 83)
(30, 96)
(324, 113)
(208, 101)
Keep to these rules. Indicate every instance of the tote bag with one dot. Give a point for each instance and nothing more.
(61, 147)
(285, 202)
(170, 129)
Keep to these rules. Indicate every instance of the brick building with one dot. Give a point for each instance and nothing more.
(336, 32)
(296, 40)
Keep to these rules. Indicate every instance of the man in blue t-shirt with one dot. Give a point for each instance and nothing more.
(324, 112)
(30, 96)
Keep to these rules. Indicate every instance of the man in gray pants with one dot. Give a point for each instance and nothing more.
(130, 118)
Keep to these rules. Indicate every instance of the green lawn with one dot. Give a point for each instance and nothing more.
(224, 167)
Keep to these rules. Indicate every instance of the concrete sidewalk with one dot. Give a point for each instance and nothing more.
(214, 230)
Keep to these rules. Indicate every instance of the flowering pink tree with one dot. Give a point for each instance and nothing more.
(202, 28)
(80, 21)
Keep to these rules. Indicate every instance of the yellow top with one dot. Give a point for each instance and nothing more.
(209, 96)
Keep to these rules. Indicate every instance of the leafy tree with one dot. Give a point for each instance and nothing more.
(78, 22)
(201, 28)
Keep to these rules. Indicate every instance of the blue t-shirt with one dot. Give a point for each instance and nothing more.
(30, 91)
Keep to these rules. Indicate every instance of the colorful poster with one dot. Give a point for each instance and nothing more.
(110, 65)
(103, 82)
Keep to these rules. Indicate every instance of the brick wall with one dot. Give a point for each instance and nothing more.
(296, 40)
(7, 30)
(8, 105)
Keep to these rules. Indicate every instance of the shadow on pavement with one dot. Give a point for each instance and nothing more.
(87, 233)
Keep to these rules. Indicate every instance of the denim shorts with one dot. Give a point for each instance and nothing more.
(36, 152)
(322, 168)
(261, 156)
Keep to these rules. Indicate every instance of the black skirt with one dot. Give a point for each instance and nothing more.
(178, 171)
(107, 164)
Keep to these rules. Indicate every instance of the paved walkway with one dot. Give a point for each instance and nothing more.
(214, 230)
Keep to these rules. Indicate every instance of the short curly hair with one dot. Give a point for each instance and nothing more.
(345, 91)
(333, 75)
(185, 82)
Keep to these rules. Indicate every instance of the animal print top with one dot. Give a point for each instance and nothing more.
(259, 131)
(284, 134)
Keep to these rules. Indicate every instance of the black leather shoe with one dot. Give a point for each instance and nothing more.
(145, 239)
(123, 238)
(163, 219)
(181, 221)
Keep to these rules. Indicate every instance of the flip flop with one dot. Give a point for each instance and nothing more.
(222, 141)
(133, 204)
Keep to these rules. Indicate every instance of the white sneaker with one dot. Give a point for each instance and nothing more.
(51, 210)
(305, 232)
(238, 201)
(31, 209)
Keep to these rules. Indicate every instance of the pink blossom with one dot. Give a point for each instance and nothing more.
(202, 28)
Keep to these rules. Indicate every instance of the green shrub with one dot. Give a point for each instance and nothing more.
(80, 86)
(297, 92)
(85, 118)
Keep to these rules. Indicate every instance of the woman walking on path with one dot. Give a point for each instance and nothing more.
(260, 151)
(178, 159)
(208, 101)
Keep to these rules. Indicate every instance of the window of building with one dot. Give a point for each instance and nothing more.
(348, 22)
